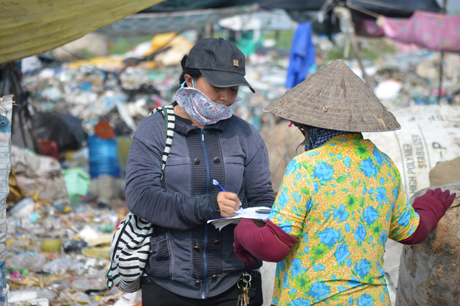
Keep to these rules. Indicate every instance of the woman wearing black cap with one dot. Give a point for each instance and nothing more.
(191, 262)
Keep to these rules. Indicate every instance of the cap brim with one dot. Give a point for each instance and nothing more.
(225, 79)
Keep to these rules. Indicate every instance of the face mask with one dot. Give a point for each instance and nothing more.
(202, 110)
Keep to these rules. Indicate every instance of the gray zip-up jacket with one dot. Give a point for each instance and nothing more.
(188, 256)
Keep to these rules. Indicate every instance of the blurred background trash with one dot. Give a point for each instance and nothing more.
(79, 105)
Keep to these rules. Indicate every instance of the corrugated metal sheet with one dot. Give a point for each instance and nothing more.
(29, 27)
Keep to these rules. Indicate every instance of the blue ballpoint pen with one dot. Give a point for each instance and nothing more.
(215, 182)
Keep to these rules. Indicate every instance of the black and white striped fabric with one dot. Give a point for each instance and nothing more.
(130, 245)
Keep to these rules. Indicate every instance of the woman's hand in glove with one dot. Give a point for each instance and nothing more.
(434, 204)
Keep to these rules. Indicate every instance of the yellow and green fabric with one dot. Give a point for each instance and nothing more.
(30, 27)
(342, 200)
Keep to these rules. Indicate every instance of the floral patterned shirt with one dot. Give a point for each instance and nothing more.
(342, 200)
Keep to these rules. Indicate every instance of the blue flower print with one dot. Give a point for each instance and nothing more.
(347, 161)
(319, 291)
(349, 262)
(317, 186)
(297, 197)
(347, 227)
(368, 167)
(309, 204)
(381, 195)
(360, 233)
(371, 190)
(382, 181)
(298, 176)
(318, 267)
(341, 288)
(370, 215)
(307, 250)
(291, 167)
(382, 297)
(300, 302)
(326, 214)
(341, 214)
(364, 191)
(285, 281)
(363, 268)
(329, 236)
(324, 172)
(312, 153)
(377, 156)
(383, 238)
(286, 227)
(305, 237)
(283, 198)
(282, 265)
(365, 300)
(405, 218)
(395, 192)
(339, 156)
(350, 301)
(352, 283)
(342, 252)
(296, 267)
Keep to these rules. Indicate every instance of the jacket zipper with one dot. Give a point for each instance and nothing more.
(208, 180)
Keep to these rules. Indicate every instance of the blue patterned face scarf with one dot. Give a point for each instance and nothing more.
(319, 136)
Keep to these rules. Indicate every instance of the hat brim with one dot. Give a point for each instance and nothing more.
(225, 79)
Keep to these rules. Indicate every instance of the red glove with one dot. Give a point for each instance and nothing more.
(430, 207)
(241, 253)
(434, 204)
(269, 243)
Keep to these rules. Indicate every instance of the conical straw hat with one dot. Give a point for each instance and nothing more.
(334, 98)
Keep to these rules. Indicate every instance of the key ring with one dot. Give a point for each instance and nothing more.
(247, 282)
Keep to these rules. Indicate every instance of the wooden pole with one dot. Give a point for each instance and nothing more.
(441, 60)
(346, 15)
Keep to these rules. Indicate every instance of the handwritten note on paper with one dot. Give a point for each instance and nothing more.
(257, 213)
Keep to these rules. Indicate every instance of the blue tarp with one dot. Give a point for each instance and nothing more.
(302, 57)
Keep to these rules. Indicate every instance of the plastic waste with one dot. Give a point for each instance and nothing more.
(23, 209)
(61, 265)
(39, 261)
(103, 157)
(77, 182)
(50, 245)
(74, 246)
(22, 261)
(123, 145)
(46, 293)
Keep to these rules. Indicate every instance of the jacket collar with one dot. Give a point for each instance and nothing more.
(184, 126)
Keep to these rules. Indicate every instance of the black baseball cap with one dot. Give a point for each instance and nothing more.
(219, 61)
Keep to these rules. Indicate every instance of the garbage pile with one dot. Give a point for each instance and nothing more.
(64, 207)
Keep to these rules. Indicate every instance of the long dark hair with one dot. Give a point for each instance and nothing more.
(304, 129)
(194, 73)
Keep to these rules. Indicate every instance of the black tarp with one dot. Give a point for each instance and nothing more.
(186, 5)
(64, 129)
(389, 8)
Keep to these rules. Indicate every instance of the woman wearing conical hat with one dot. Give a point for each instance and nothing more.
(339, 201)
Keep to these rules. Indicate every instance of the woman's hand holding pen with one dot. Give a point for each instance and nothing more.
(229, 203)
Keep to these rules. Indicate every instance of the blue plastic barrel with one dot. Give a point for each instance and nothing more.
(103, 157)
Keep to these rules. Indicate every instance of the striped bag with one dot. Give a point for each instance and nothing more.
(129, 250)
